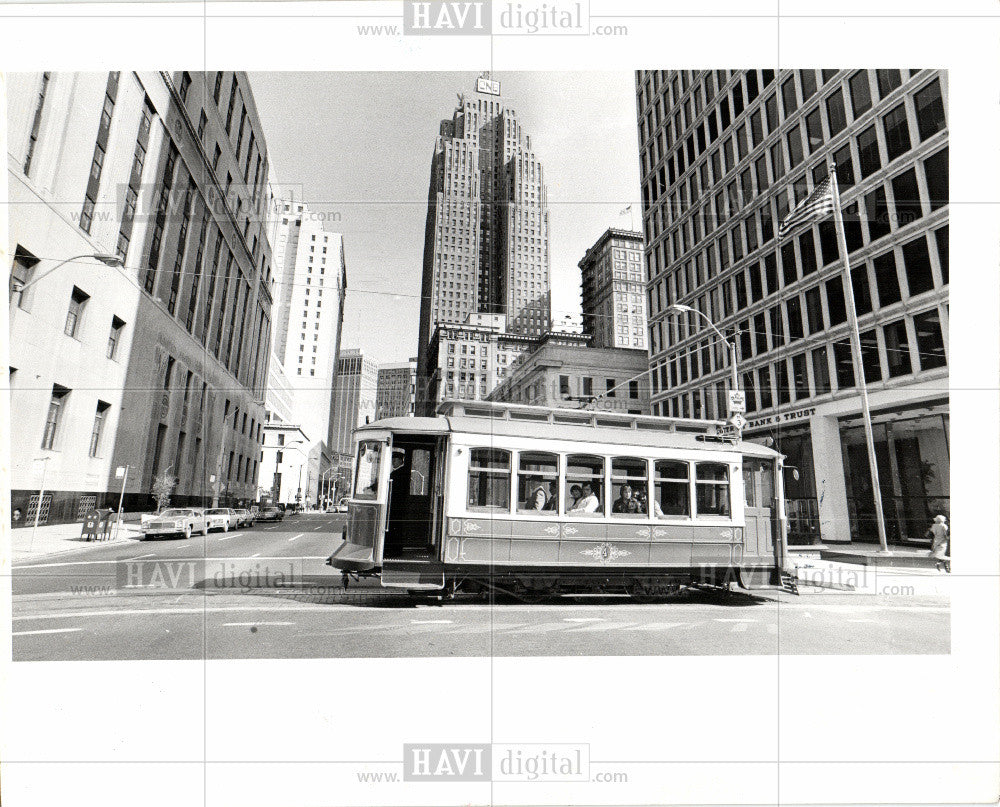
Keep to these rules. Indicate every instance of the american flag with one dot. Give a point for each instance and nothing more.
(817, 205)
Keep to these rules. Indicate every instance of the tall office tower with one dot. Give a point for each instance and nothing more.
(396, 389)
(486, 243)
(613, 279)
(311, 278)
(724, 156)
(149, 352)
(354, 399)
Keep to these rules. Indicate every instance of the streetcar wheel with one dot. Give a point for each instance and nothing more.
(187, 532)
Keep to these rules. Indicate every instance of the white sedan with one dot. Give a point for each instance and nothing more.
(176, 521)
(222, 518)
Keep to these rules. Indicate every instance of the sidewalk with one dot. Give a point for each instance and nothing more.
(820, 574)
(57, 538)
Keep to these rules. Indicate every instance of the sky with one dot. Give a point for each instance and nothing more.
(357, 147)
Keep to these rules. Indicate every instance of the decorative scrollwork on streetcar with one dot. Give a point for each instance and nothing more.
(605, 553)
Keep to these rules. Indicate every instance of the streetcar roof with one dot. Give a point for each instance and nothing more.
(616, 428)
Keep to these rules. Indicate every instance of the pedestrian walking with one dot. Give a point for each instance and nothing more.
(940, 542)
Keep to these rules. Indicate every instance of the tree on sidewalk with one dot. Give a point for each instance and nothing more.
(163, 486)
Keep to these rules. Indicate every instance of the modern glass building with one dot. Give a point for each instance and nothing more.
(724, 156)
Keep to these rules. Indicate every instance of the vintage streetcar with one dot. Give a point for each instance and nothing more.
(541, 501)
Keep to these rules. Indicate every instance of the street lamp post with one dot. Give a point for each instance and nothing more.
(734, 375)
(41, 498)
(108, 260)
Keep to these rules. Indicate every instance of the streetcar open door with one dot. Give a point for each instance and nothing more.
(414, 498)
(367, 510)
(762, 544)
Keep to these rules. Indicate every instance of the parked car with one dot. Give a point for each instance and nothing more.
(175, 521)
(222, 518)
(244, 517)
(341, 506)
(271, 514)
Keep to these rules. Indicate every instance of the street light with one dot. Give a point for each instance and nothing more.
(108, 260)
(677, 308)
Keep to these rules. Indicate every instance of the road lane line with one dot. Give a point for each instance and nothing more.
(318, 528)
(225, 537)
(147, 555)
(252, 624)
(431, 622)
(583, 619)
(735, 620)
(256, 555)
(296, 536)
(52, 630)
(657, 626)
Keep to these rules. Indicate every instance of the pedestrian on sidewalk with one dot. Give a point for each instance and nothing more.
(940, 542)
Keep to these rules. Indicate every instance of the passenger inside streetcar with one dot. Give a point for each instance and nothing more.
(588, 502)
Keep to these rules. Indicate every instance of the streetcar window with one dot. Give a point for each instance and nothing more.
(712, 489)
(538, 483)
(489, 479)
(629, 478)
(671, 489)
(366, 472)
(584, 485)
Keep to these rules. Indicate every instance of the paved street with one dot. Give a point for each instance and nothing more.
(207, 598)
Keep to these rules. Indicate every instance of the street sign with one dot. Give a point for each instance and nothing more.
(120, 472)
(737, 401)
(738, 421)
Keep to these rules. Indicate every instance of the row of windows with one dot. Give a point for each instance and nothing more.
(900, 347)
(884, 208)
(903, 272)
(547, 484)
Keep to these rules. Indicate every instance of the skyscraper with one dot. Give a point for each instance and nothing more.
(613, 280)
(396, 389)
(311, 277)
(486, 244)
(354, 398)
(725, 154)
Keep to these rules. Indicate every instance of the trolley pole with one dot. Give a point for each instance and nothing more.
(859, 371)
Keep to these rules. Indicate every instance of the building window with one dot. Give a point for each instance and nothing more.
(861, 93)
(930, 110)
(886, 279)
(897, 132)
(21, 270)
(869, 356)
(98, 430)
(77, 304)
(897, 349)
(185, 85)
(821, 371)
(836, 117)
(36, 123)
(59, 398)
(843, 362)
(930, 342)
(868, 155)
(610, 387)
(114, 336)
(917, 262)
(564, 386)
(936, 172)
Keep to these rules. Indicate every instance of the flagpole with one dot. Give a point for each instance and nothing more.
(859, 372)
